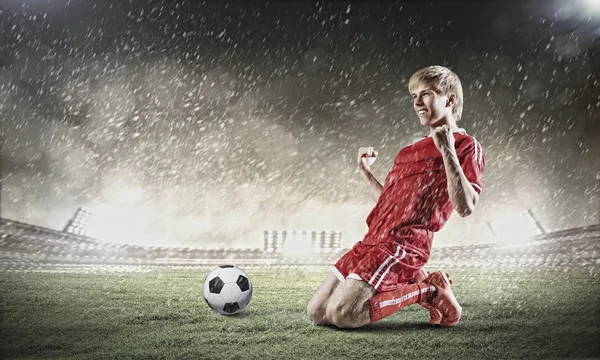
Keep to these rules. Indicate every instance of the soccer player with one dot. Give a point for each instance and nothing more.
(429, 179)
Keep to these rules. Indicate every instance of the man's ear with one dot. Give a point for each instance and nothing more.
(451, 100)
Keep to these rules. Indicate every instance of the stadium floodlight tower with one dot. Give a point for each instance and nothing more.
(77, 225)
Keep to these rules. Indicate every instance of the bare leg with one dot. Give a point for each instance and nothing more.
(318, 304)
(349, 304)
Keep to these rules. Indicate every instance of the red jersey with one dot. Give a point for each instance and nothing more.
(414, 202)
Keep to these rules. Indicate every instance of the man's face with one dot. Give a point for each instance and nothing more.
(432, 108)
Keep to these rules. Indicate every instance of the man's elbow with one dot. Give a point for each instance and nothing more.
(467, 209)
(466, 206)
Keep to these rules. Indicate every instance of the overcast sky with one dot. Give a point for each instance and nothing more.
(204, 124)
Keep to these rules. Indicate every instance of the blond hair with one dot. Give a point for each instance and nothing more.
(444, 80)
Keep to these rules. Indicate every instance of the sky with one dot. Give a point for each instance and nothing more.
(188, 123)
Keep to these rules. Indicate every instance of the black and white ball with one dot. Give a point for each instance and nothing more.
(227, 289)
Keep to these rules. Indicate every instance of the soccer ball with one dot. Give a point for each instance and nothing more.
(227, 289)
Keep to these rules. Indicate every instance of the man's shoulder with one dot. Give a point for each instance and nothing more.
(467, 145)
(463, 137)
(417, 139)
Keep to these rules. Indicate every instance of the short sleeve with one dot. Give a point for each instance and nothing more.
(472, 161)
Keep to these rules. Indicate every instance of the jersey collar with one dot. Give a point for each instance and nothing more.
(459, 130)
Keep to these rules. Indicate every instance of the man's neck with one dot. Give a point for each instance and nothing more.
(453, 128)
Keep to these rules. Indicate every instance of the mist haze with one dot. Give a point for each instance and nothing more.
(204, 124)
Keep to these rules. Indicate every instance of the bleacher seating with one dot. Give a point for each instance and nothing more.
(28, 243)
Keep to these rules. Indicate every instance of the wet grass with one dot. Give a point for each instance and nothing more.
(510, 314)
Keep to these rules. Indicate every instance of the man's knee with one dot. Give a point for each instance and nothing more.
(317, 305)
(316, 312)
(345, 313)
(339, 312)
(349, 307)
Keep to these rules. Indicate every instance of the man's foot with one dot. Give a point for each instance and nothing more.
(444, 301)
(434, 314)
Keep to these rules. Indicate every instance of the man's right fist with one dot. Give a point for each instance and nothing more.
(366, 158)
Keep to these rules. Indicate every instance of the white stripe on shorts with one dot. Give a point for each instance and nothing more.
(385, 263)
(382, 266)
(396, 260)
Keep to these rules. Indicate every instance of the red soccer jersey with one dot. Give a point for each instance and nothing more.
(414, 202)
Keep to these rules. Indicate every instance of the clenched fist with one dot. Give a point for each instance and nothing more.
(366, 158)
(442, 137)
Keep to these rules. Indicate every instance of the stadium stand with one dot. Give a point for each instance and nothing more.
(22, 243)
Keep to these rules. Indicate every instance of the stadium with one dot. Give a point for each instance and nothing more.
(177, 178)
(66, 295)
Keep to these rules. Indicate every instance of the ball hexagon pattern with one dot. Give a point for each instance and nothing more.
(227, 289)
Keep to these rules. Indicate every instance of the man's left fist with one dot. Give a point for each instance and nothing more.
(442, 137)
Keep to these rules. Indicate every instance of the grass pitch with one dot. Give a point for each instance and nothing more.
(516, 314)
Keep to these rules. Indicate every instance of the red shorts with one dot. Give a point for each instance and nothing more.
(384, 266)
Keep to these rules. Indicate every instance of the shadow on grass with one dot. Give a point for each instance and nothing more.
(394, 327)
(242, 314)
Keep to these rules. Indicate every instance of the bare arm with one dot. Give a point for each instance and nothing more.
(374, 186)
(462, 194)
(364, 153)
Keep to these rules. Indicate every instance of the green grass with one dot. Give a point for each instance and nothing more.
(515, 314)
